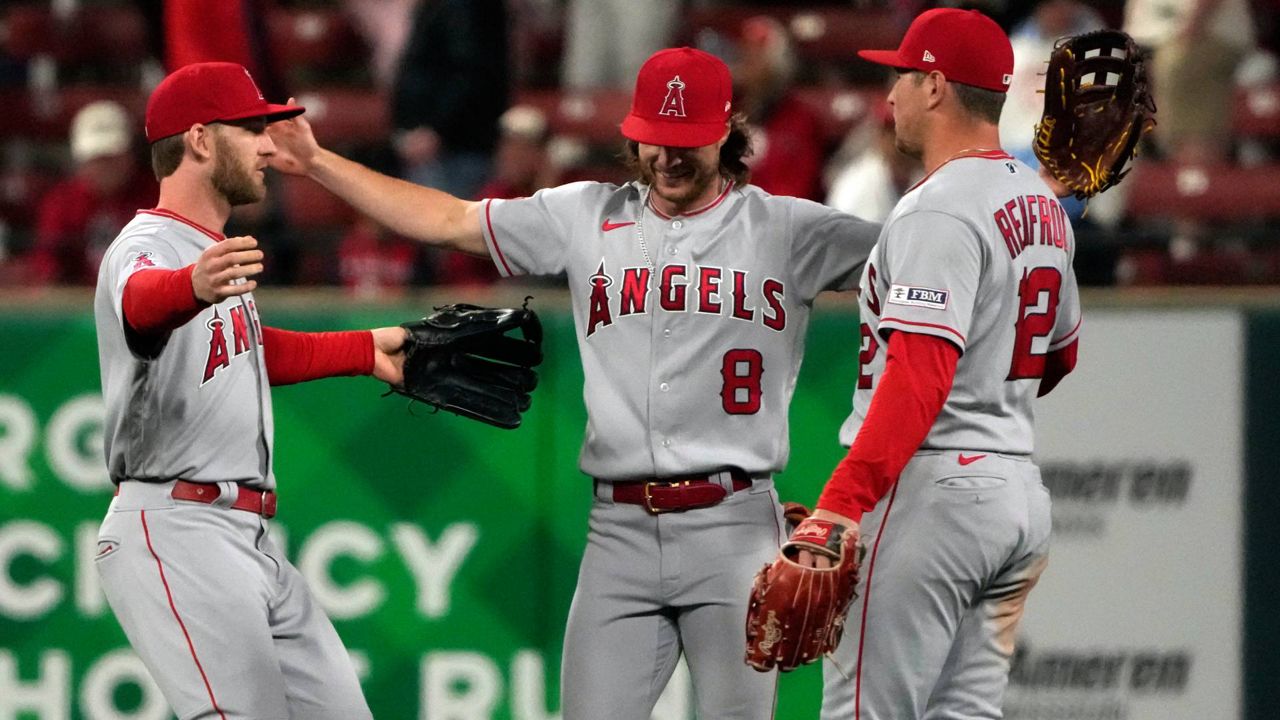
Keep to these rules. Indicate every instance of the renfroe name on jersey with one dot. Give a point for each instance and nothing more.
(704, 289)
(1019, 218)
(246, 329)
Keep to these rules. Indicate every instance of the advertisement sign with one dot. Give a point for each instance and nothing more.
(1138, 616)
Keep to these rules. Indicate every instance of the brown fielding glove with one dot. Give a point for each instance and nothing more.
(1096, 108)
(796, 614)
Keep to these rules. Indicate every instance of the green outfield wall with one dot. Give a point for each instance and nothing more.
(446, 552)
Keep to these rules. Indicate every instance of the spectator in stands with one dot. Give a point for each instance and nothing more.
(384, 25)
(873, 181)
(786, 135)
(221, 30)
(606, 41)
(451, 87)
(374, 263)
(1196, 46)
(80, 216)
(522, 166)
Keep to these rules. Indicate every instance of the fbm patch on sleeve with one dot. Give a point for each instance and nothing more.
(918, 296)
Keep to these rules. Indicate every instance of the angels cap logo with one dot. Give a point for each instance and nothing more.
(928, 57)
(673, 103)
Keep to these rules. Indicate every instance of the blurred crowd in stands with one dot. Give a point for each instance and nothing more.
(499, 98)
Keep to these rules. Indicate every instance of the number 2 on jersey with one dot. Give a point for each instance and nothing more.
(1037, 314)
(741, 392)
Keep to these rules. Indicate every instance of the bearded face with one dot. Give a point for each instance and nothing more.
(679, 176)
(235, 173)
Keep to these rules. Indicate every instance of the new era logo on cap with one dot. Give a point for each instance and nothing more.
(971, 49)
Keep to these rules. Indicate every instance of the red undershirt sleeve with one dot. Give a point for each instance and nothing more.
(159, 301)
(294, 357)
(917, 378)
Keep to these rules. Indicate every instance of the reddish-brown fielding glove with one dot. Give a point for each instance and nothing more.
(796, 614)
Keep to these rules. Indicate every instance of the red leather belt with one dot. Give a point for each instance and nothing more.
(258, 502)
(677, 494)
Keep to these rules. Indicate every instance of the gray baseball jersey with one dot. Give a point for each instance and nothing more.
(221, 619)
(979, 253)
(199, 410)
(691, 331)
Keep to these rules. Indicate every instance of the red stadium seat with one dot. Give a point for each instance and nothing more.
(1257, 112)
(820, 33)
(320, 38)
(1213, 193)
(591, 116)
(113, 34)
(347, 116)
(308, 206)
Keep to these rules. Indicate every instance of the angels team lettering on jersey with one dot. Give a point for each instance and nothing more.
(979, 253)
(190, 408)
(691, 329)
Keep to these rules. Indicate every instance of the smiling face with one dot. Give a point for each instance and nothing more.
(241, 151)
(681, 178)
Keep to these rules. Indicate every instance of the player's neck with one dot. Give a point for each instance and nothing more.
(672, 209)
(951, 143)
(194, 199)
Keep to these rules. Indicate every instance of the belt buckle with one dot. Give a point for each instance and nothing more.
(268, 508)
(648, 499)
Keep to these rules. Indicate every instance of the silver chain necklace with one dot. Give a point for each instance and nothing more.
(644, 247)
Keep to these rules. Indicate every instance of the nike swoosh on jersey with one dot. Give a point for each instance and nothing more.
(969, 459)
(607, 226)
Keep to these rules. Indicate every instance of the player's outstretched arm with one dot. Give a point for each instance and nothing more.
(430, 216)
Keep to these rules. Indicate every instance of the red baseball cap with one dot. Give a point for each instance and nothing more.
(964, 45)
(682, 99)
(205, 93)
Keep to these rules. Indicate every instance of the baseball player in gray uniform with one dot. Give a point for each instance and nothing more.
(691, 293)
(968, 308)
(187, 556)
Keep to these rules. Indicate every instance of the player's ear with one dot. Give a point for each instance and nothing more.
(936, 87)
(199, 141)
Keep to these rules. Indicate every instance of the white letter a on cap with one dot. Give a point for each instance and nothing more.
(673, 103)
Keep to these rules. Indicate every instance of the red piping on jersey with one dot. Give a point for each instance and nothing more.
(922, 324)
(219, 237)
(488, 219)
(988, 155)
(723, 194)
(190, 646)
(866, 603)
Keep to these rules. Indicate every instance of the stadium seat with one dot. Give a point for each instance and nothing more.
(347, 116)
(1219, 193)
(590, 116)
(1257, 112)
(317, 38)
(113, 34)
(308, 206)
(820, 33)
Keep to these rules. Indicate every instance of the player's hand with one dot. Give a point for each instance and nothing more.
(296, 146)
(814, 560)
(1060, 190)
(388, 354)
(224, 269)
